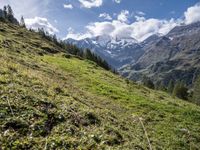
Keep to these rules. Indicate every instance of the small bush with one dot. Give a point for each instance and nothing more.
(148, 83)
(180, 91)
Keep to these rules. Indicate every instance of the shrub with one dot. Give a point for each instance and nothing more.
(180, 91)
(148, 83)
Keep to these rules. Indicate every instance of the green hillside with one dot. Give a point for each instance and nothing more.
(52, 100)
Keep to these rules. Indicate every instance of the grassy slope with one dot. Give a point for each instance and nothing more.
(58, 102)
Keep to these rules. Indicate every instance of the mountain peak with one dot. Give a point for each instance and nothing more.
(102, 39)
(184, 30)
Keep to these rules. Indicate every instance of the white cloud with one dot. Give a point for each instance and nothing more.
(91, 3)
(144, 28)
(105, 16)
(123, 16)
(78, 36)
(117, 1)
(140, 29)
(100, 28)
(139, 18)
(27, 8)
(68, 6)
(140, 13)
(38, 22)
(192, 14)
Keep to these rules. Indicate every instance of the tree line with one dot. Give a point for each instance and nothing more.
(74, 50)
(177, 89)
(7, 15)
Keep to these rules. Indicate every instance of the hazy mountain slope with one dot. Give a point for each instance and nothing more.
(48, 101)
(175, 56)
(117, 52)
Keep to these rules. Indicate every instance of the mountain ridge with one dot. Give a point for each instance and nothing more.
(174, 56)
(116, 52)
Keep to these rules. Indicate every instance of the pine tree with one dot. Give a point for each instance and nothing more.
(10, 14)
(196, 93)
(41, 32)
(22, 22)
(161, 86)
(54, 39)
(5, 12)
(170, 87)
(88, 54)
(10, 11)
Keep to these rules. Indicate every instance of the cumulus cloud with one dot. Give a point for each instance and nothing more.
(68, 6)
(117, 1)
(105, 16)
(123, 16)
(78, 36)
(100, 28)
(91, 3)
(144, 28)
(27, 8)
(140, 13)
(192, 14)
(141, 29)
(139, 18)
(38, 22)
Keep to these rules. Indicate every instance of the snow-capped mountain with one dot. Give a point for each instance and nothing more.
(116, 51)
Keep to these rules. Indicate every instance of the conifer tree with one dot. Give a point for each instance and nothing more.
(22, 22)
(161, 86)
(5, 12)
(88, 54)
(54, 39)
(10, 14)
(170, 87)
(180, 91)
(41, 32)
(196, 93)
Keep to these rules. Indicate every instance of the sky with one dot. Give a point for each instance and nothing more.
(79, 19)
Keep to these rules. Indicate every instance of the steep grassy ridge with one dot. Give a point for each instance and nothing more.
(50, 101)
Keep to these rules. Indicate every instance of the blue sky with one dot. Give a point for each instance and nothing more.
(121, 18)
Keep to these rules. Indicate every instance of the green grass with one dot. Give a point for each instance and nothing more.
(60, 102)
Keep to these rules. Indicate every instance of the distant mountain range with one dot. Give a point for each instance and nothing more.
(175, 56)
(117, 52)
